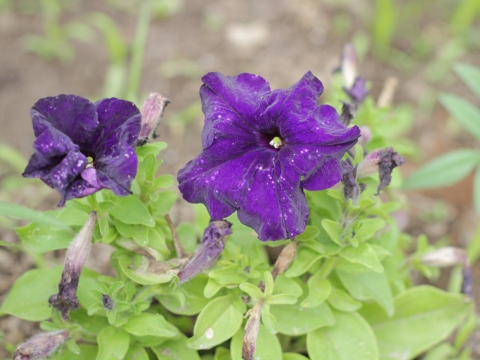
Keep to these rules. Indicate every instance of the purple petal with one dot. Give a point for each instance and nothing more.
(70, 114)
(117, 167)
(231, 100)
(325, 176)
(119, 121)
(276, 210)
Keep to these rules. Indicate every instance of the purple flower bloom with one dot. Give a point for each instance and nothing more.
(261, 148)
(69, 129)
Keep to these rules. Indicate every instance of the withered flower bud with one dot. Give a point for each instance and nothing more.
(152, 113)
(251, 331)
(382, 161)
(108, 302)
(77, 254)
(212, 246)
(41, 346)
(351, 189)
(444, 257)
(285, 258)
(467, 283)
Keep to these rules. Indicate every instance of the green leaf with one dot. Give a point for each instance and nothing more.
(366, 228)
(444, 170)
(293, 356)
(364, 255)
(113, 344)
(86, 352)
(267, 346)
(470, 76)
(130, 210)
(409, 332)
(136, 267)
(334, 230)
(216, 323)
(466, 114)
(164, 181)
(136, 353)
(318, 291)
(150, 324)
(176, 349)
(310, 233)
(369, 286)
(41, 238)
(192, 292)
(28, 297)
(350, 338)
(269, 320)
(296, 320)
(152, 148)
(305, 259)
(341, 300)
(19, 212)
(253, 291)
(164, 203)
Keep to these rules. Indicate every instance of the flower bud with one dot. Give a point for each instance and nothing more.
(41, 346)
(443, 257)
(77, 254)
(152, 113)
(349, 65)
(366, 135)
(212, 246)
(251, 331)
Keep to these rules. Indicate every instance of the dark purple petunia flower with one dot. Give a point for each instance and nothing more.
(261, 148)
(69, 129)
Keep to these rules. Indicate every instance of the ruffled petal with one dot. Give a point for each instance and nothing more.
(119, 122)
(266, 194)
(70, 114)
(116, 168)
(327, 174)
(233, 102)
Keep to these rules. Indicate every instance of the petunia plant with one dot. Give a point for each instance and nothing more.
(296, 250)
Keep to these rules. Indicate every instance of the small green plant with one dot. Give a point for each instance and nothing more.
(454, 166)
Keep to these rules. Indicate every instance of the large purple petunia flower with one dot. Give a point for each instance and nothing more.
(69, 129)
(261, 148)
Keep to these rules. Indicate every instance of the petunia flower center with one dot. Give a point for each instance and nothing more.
(277, 142)
(90, 162)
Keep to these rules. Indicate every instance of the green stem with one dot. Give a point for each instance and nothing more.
(138, 50)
